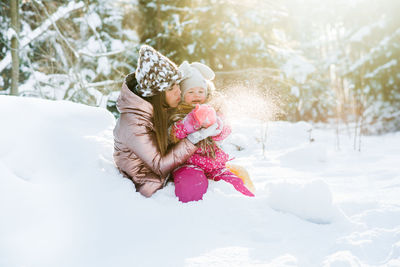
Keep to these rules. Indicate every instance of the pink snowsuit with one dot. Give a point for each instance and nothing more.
(191, 179)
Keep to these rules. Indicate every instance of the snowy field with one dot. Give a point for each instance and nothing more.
(63, 203)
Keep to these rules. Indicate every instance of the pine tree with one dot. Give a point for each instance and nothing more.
(82, 54)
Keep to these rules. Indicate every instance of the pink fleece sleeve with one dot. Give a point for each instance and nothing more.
(226, 131)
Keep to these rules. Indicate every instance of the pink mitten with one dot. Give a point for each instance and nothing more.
(205, 115)
(190, 124)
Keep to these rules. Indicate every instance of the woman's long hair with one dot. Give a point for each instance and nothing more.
(161, 112)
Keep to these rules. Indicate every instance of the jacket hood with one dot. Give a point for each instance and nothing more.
(129, 102)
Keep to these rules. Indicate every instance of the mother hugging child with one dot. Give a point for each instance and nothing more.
(147, 150)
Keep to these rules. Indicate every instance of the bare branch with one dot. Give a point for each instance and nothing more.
(103, 83)
(250, 70)
(106, 54)
(58, 31)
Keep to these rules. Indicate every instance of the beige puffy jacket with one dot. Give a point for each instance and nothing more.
(136, 153)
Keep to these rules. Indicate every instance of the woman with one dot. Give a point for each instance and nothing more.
(140, 135)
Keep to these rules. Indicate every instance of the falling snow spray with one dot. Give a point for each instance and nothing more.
(239, 101)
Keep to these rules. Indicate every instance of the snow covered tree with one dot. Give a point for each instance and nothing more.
(75, 51)
(373, 65)
(316, 61)
(223, 34)
(350, 50)
(5, 45)
(237, 40)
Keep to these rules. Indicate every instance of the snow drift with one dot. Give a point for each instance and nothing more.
(63, 203)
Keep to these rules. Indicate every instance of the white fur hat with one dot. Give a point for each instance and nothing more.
(195, 75)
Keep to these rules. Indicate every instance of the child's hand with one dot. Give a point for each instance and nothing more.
(205, 115)
(202, 116)
(190, 123)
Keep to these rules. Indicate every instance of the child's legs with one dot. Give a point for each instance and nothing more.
(234, 180)
(190, 183)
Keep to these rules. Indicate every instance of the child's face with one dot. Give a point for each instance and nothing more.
(196, 95)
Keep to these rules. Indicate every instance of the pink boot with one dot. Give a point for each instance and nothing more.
(190, 183)
(237, 183)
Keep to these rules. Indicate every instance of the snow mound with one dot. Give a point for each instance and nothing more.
(305, 154)
(50, 141)
(342, 259)
(311, 201)
(288, 135)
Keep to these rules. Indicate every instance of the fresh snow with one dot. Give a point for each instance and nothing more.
(94, 20)
(11, 33)
(103, 66)
(63, 202)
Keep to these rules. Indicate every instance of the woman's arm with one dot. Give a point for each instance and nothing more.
(141, 140)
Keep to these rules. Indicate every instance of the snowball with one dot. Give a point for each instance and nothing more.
(311, 201)
(306, 154)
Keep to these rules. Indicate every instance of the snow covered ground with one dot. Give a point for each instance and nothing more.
(63, 203)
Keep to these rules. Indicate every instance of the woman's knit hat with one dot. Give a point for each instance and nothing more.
(155, 72)
(195, 74)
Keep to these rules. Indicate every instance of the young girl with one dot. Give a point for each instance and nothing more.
(209, 160)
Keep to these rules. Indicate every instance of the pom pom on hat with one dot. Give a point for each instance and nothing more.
(155, 72)
(195, 75)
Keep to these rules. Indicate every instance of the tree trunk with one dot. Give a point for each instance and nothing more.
(14, 47)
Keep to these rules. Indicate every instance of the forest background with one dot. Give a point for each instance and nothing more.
(332, 61)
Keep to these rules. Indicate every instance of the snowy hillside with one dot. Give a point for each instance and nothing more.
(63, 203)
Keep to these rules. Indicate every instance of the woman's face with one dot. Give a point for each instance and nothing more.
(173, 96)
(196, 95)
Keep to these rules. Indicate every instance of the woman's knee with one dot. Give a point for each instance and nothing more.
(190, 183)
(149, 188)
